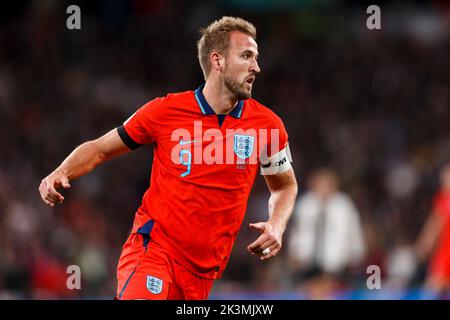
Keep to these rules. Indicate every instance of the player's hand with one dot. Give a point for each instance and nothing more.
(48, 187)
(268, 243)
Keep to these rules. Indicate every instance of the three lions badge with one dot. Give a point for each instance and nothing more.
(154, 284)
(243, 145)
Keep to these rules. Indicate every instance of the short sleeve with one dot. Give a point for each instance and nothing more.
(277, 138)
(275, 157)
(143, 126)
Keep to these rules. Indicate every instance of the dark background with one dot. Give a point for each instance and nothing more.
(371, 104)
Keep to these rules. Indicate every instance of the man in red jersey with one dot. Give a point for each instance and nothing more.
(435, 237)
(208, 146)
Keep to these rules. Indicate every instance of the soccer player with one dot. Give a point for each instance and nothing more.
(435, 238)
(208, 146)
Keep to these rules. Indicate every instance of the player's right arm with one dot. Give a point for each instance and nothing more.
(81, 161)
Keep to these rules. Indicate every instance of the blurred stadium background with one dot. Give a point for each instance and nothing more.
(371, 105)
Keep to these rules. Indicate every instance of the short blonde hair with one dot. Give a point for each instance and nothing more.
(217, 37)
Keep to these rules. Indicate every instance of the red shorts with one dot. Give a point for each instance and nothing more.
(146, 271)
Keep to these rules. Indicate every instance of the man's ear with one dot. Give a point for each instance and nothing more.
(217, 61)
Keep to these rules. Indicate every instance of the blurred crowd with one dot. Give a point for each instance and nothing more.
(367, 115)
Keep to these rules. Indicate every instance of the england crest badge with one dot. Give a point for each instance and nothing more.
(154, 285)
(243, 145)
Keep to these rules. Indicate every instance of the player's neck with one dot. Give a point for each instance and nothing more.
(219, 98)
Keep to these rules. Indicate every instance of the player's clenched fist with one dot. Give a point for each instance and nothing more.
(48, 187)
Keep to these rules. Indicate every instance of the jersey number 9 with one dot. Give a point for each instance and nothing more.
(186, 161)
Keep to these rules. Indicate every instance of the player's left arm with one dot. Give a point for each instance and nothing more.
(283, 189)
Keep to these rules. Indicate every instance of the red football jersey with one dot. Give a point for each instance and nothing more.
(203, 169)
(441, 260)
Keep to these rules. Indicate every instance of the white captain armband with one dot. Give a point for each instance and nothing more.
(278, 163)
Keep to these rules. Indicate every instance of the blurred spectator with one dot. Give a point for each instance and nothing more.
(327, 239)
(401, 266)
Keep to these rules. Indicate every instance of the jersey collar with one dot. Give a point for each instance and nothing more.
(206, 108)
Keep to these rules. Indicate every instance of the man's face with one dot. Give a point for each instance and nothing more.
(325, 183)
(241, 65)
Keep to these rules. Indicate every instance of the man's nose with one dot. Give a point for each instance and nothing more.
(255, 67)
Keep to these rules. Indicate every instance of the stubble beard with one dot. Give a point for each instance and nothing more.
(237, 89)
